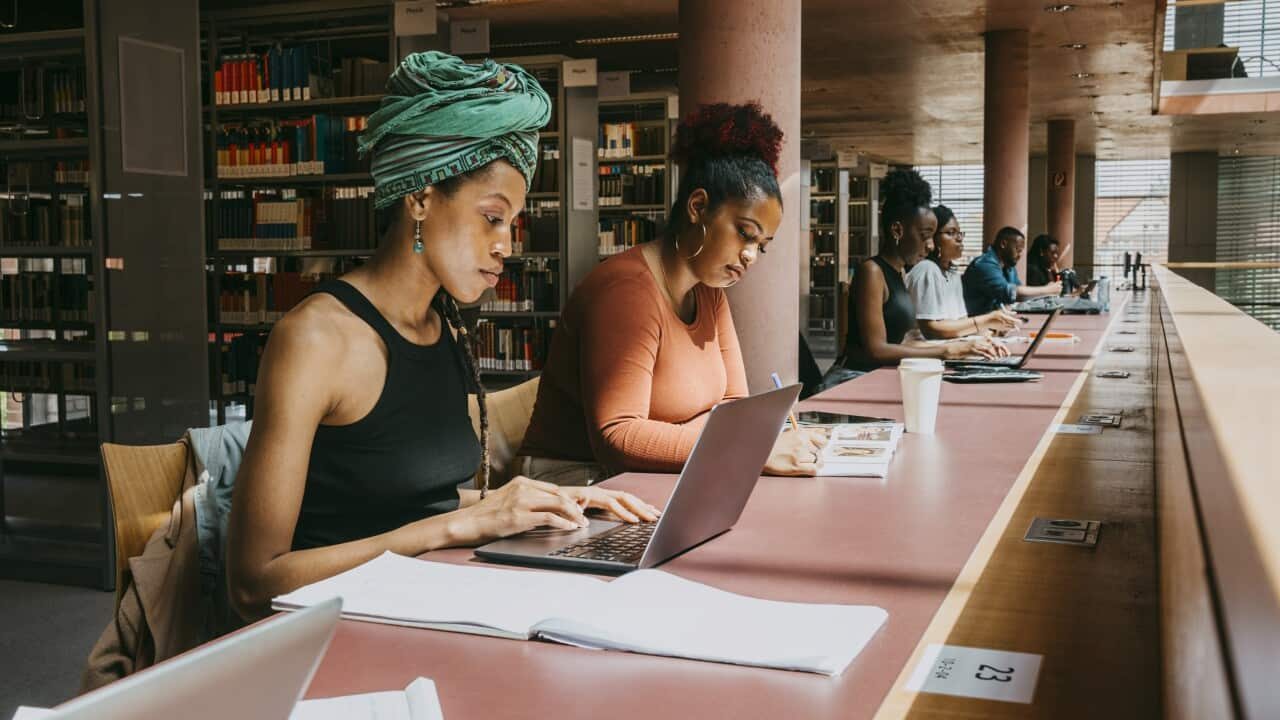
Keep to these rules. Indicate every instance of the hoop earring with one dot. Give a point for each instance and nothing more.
(417, 238)
(676, 239)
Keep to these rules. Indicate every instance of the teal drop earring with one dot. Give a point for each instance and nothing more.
(417, 238)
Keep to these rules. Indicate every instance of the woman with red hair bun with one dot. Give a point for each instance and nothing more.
(646, 345)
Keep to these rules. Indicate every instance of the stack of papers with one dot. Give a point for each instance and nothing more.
(648, 611)
(416, 702)
(861, 449)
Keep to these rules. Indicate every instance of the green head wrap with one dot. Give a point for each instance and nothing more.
(442, 117)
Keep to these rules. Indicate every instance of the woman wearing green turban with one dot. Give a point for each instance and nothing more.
(361, 433)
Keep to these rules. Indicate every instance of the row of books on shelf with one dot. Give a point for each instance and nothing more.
(546, 177)
(238, 358)
(618, 234)
(317, 145)
(823, 241)
(624, 140)
(22, 176)
(859, 214)
(71, 172)
(27, 221)
(67, 87)
(29, 297)
(260, 298)
(822, 180)
(287, 74)
(632, 185)
(538, 227)
(822, 212)
(28, 376)
(822, 305)
(282, 219)
(25, 90)
(531, 286)
(512, 348)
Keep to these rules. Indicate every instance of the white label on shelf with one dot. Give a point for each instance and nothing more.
(1076, 429)
(469, 37)
(579, 73)
(673, 107)
(584, 174)
(415, 17)
(614, 84)
(977, 673)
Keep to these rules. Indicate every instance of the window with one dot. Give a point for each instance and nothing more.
(1249, 231)
(1253, 26)
(1132, 211)
(959, 187)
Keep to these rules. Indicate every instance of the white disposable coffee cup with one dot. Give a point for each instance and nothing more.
(921, 388)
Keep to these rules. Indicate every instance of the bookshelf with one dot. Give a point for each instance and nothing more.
(49, 321)
(288, 204)
(636, 175)
(827, 184)
(94, 227)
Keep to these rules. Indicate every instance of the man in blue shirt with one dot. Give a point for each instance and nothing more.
(991, 280)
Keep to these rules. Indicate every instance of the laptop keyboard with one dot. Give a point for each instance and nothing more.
(624, 544)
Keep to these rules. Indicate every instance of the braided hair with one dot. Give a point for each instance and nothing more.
(466, 340)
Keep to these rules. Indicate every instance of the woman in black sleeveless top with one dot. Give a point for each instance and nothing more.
(880, 307)
(361, 435)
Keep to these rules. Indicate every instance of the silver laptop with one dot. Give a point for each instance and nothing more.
(260, 673)
(1013, 361)
(708, 498)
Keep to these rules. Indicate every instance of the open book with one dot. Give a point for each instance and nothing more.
(648, 611)
(860, 449)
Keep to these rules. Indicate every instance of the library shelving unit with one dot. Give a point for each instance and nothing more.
(288, 204)
(825, 231)
(555, 236)
(637, 177)
(85, 223)
(51, 385)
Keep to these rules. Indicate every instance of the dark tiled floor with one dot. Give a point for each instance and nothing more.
(45, 635)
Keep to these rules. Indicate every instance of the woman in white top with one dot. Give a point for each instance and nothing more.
(937, 292)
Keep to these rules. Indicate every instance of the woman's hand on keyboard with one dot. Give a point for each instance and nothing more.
(520, 505)
(617, 505)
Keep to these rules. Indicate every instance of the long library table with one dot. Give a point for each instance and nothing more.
(938, 545)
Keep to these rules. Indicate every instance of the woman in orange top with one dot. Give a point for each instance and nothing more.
(646, 345)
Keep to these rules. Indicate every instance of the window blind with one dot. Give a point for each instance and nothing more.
(959, 187)
(1131, 212)
(1249, 231)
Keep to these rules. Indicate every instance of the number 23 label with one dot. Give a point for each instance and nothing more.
(977, 672)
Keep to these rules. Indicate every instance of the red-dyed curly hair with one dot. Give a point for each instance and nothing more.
(723, 130)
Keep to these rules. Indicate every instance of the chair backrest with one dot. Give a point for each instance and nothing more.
(144, 481)
(510, 410)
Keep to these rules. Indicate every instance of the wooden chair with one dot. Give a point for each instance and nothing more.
(144, 481)
(510, 410)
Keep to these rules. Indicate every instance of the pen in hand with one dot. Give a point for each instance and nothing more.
(777, 383)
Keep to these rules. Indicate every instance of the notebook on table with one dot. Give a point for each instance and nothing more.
(646, 611)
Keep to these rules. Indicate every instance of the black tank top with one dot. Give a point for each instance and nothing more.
(899, 317)
(411, 451)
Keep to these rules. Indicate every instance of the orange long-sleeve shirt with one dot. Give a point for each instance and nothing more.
(627, 383)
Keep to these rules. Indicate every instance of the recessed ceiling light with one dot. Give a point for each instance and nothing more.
(1081, 75)
(627, 39)
(1117, 5)
(1093, 97)
(1257, 122)
(1064, 7)
(1088, 87)
(1235, 151)
(1248, 134)
(1073, 46)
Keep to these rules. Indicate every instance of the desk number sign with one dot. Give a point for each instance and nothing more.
(977, 673)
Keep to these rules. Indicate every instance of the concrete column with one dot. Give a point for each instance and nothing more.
(1193, 213)
(1086, 196)
(717, 36)
(1006, 134)
(1060, 198)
